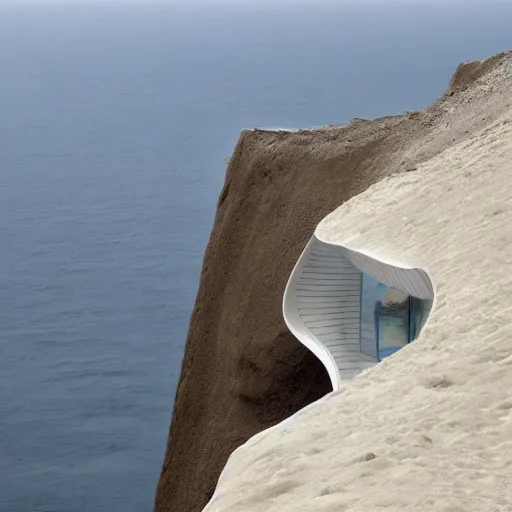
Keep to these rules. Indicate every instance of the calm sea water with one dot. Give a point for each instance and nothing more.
(115, 118)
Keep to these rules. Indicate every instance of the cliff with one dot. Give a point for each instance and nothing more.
(243, 372)
(429, 428)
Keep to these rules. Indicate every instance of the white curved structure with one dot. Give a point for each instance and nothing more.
(322, 304)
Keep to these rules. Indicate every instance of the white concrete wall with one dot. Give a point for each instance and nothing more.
(322, 303)
(322, 307)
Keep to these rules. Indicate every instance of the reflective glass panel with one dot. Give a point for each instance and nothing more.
(371, 294)
(392, 321)
(389, 318)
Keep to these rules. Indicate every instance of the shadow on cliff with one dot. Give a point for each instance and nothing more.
(295, 379)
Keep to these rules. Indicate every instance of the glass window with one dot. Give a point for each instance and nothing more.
(419, 311)
(389, 318)
(371, 293)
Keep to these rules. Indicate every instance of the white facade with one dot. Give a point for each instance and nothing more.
(322, 303)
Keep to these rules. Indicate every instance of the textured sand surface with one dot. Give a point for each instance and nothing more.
(243, 371)
(430, 428)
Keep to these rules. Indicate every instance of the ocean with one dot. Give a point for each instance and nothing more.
(115, 121)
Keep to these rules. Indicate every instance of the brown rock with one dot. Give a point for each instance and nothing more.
(468, 72)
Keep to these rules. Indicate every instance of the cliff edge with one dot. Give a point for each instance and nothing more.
(243, 372)
(429, 428)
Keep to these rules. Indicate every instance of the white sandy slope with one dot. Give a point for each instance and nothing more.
(430, 428)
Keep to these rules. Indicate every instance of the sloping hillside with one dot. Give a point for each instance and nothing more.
(243, 372)
(430, 428)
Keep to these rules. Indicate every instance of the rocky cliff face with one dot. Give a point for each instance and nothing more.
(429, 428)
(243, 372)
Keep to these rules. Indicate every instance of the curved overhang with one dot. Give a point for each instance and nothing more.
(323, 297)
